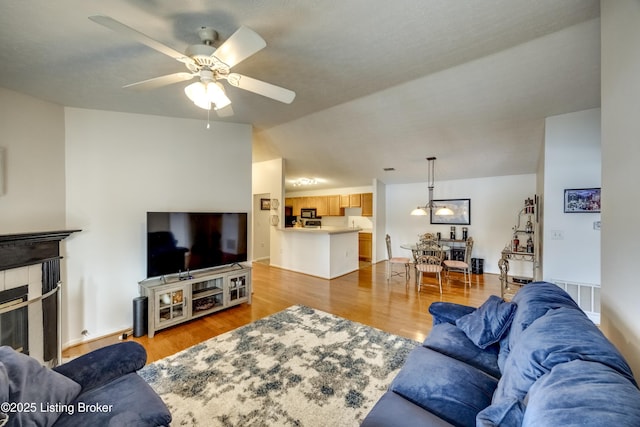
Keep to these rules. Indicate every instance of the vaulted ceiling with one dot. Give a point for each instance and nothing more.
(379, 84)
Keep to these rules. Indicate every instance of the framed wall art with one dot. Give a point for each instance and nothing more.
(461, 212)
(265, 204)
(582, 200)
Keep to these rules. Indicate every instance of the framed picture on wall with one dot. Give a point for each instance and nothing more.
(461, 212)
(582, 200)
(265, 204)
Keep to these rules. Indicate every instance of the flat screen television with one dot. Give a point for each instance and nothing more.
(187, 241)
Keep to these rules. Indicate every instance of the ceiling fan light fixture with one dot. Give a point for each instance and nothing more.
(204, 94)
(217, 95)
(197, 93)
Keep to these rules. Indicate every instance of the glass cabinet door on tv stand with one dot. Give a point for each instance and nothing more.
(239, 287)
(170, 303)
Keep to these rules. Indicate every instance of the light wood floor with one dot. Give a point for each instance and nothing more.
(363, 296)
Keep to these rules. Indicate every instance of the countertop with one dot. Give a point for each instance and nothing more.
(322, 230)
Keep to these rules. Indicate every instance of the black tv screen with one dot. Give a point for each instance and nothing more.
(187, 241)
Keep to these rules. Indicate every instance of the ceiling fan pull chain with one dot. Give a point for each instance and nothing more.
(208, 117)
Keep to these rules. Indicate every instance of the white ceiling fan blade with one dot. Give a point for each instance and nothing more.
(261, 88)
(241, 45)
(157, 82)
(121, 28)
(225, 112)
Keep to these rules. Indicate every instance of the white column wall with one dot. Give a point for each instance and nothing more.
(620, 175)
(572, 160)
(268, 178)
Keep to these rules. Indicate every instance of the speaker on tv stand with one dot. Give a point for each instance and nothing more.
(140, 316)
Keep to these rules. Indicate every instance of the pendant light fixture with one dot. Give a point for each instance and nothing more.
(431, 206)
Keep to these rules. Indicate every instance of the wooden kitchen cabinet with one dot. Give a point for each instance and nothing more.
(321, 203)
(295, 203)
(308, 202)
(334, 206)
(367, 204)
(324, 205)
(365, 246)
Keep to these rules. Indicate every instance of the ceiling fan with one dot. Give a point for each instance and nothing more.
(207, 63)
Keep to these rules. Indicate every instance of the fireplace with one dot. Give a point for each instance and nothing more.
(30, 294)
(14, 324)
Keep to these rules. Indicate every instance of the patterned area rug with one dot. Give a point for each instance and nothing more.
(298, 367)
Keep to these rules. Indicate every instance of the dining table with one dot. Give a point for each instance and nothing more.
(413, 247)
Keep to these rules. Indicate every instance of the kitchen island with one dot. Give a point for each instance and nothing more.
(326, 252)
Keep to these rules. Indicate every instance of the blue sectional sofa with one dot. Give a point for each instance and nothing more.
(535, 361)
(100, 388)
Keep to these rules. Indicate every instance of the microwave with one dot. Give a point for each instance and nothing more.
(308, 213)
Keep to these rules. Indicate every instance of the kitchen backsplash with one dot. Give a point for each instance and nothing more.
(348, 221)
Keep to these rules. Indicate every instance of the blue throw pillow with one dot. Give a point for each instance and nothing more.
(489, 322)
(31, 383)
(444, 386)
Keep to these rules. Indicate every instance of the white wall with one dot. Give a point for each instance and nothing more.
(34, 168)
(620, 175)
(572, 160)
(261, 228)
(268, 178)
(495, 203)
(118, 167)
(380, 215)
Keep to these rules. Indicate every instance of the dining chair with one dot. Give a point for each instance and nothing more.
(391, 261)
(463, 267)
(429, 247)
(429, 264)
(427, 236)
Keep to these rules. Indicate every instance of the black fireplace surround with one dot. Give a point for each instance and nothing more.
(22, 250)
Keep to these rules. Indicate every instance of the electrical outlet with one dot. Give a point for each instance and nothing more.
(596, 225)
(557, 235)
